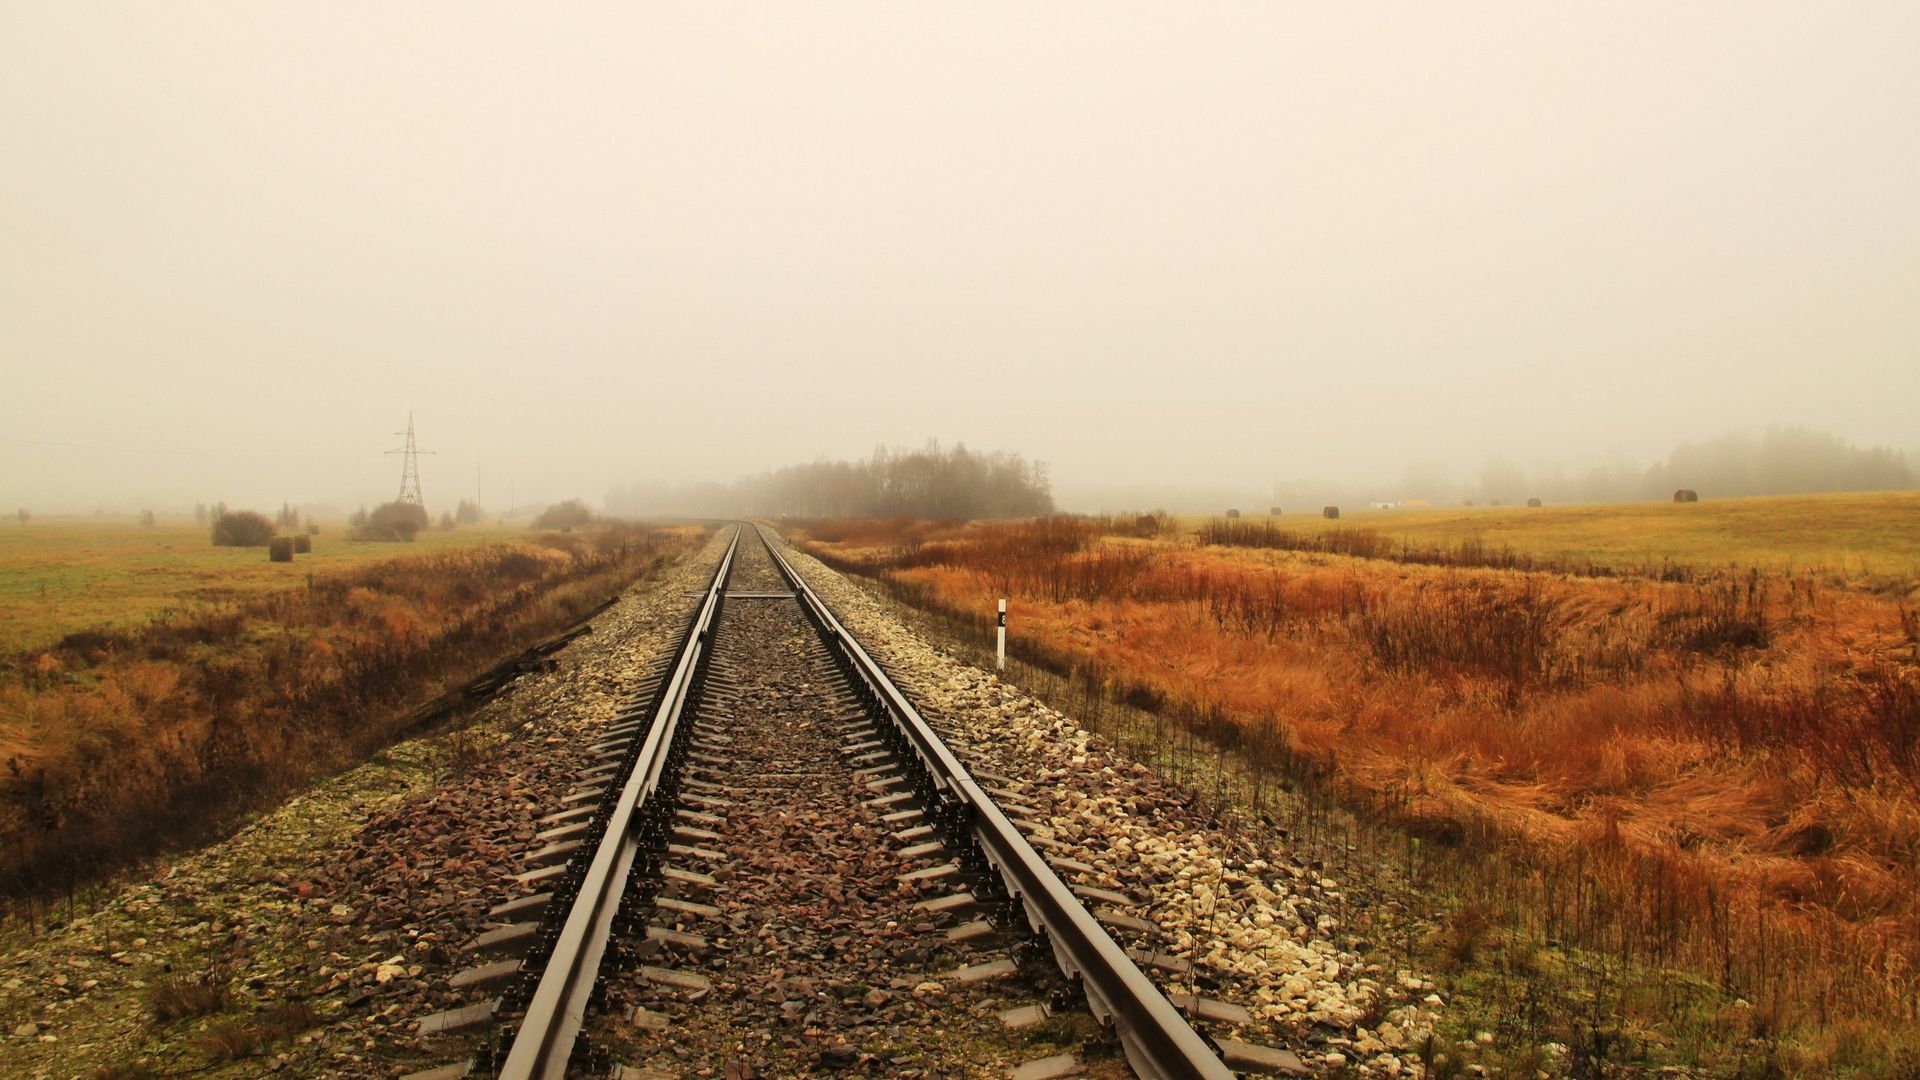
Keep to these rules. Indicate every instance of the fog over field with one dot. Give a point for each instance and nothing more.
(1164, 249)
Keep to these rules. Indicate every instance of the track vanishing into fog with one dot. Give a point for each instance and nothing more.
(775, 866)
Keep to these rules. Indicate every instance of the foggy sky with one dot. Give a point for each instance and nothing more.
(1153, 245)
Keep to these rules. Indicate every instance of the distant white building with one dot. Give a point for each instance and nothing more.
(1383, 506)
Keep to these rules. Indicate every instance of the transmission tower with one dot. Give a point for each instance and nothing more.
(410, 466)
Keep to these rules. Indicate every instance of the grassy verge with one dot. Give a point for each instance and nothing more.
(1675, 821)
(115, 743)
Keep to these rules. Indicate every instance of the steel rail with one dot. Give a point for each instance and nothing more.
(544, 1041)
(1159, 1043)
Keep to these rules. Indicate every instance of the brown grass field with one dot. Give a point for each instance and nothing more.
(1694, 741)
(1874, 534)
(208, 683)
(63, 575)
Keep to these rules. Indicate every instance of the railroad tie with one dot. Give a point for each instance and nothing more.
(1218, 1012)
(574, 814)
(485, 975)
(685, 907)
(1048, 1068)
(941, 905)
(973, 973)
(541, 876)
(1025, 1016)
(678, 980)
(677, 939)
(512, 937)
(556, 852)
(572, 830)
(531, 904)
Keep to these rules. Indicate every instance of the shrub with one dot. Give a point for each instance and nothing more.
(393, 521)
(563, 515)
(241, 528)
(177, 997)
(230, 1039)
(234, 1038)
(468, 512)
(146, 519)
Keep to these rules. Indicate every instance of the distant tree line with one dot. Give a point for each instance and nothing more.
(935, 483)
(1782, 460)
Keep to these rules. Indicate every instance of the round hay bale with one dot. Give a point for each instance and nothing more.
(1273, 511)
(1330, 512)
(1533, 504)
(1686, 495)
(302, 544)
(1233, 513)
(280, 549)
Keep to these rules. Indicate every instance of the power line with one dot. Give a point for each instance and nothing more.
(237, 455)
(410, 466)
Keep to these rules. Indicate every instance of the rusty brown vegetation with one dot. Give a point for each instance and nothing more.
(1708, 771)
(115, 743)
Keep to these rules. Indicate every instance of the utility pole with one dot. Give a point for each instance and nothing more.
(410, 466)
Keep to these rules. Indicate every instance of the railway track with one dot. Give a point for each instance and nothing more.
(771, 763)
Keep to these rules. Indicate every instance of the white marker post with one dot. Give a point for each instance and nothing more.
(1000, 646)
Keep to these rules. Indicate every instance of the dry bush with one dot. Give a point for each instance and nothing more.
(391, 521)
(1466, 929)
(241, 528)
(181, 996)
(564, 515)
(232, 1038)
(289, 1018)
(467, 749)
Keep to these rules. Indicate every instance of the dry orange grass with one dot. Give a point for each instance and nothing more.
(1727, 766)
(114, 742)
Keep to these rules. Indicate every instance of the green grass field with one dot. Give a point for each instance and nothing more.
(1868, 534)
(61, 575)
